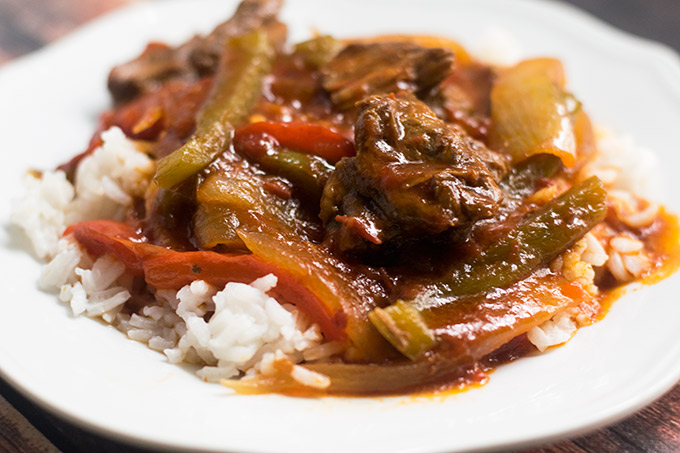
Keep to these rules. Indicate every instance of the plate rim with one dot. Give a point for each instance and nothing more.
(666, 58)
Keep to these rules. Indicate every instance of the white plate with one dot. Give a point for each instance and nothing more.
(92, 375)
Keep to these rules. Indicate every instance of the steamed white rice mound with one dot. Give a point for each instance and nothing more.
(623, 165)
(246, 325)
(496, 46)
(105, 183)
(555, 331)
(247, 329)
(629, 173)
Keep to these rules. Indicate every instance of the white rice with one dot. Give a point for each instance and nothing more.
(42, 211)
(553, 332)
(245, 325)
(629, 172)
(623, 165)
(497, 47)
(105, 183)
(107, 180)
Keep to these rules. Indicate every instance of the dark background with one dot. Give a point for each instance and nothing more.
(654, 19)
(27, 25)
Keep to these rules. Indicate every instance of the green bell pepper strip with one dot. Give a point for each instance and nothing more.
(318, 51)
(245, 61)
(539, 238)
(521, 180)
(307, 173)
(402, 325)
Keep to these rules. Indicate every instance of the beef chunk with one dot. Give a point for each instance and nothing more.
(361, 70)
(197, 57)
(157, 64)
(413, 176)
(251, 14)
(463, 98)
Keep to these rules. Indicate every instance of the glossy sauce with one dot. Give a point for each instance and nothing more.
(485, 329)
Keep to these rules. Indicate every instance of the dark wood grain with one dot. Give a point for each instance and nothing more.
(658, 20)
(654, 429)
(26, 25)
(17, 433)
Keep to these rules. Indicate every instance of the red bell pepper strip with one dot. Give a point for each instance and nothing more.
(303, 137)
(168, 269)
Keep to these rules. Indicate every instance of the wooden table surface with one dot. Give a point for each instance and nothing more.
(26, 25)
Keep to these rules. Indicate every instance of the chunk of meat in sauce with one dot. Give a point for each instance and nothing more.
(365, 69)
(197, 57)
(413, 176)
(463, 98)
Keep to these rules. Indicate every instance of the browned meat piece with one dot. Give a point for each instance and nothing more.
(198, 56)
(413, 176)
(148, 71)
(361, 70)
(250, 14)
(463, 98)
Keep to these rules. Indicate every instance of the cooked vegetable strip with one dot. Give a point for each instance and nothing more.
(239, 198)
(522, 179)
(351, 291)
(245, 61)
(215, 225)
(165, 268)
(307, 173)
(318, 51)
(529, 112)
(362, 379)
(403, 327)
(467, 331)
(225, 202)
(298, 136)
(542, 236)
(266, 383)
